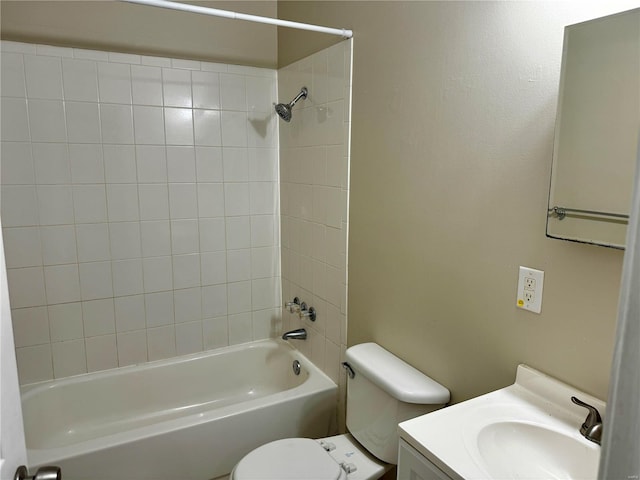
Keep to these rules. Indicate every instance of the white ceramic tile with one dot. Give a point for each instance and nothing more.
(181, 164)
(69, 358)
(238, 232)
(26, 287)
(159, 308)
(85, 54)
(334, 207)
(89, 203)
(93, 242)
(214, 300)
(266, 323)
(213, 268)
(117, 124)
(146, 85)
(80, 80)
(186, 270)
(102, 352)
(318, 242)
(114, 83)
(236, 199)
(265, 293)
(214, 67)
(233, 92)
(263, 198)
(206, 90)
(124, 238)
(154, 201)
(264, 262)
(336, 167)
(132, 348)
(177, 87)
(320, 83)
(22, 247)
(211, 200)
(50, 50)
(263, 164)
(44, 77)
(238, 265)
(127, 277)
(215, 332)
(58, 244)
(148, 125)
(185, 64)
(55, 204)
(207, 129)
(260, 94)
(156, 238)
(240, 328)
(178, 124)
(46, 121)
(122, 202)
(15, 123)
(65, 321)
(183, 202)
(17, 47)
(239, 297)
(17, 164)
(51, 162)
(83, 122)
(155, 61)
(34, 363)
(212, 234)
(130, 313)
(30, 326)
(98, 317)
(87, 165)
(319, 204)
(263, 230)
(158, 274)
(12, 75)
(234, 129)
(151, 163)
(116, 57)
(188, 338)
(184, 236)
(187, 304)
(62, 283)
(236, 164)
(95, 280)
(120, 163)
(161, 342)
(19, 206)
(209, 164)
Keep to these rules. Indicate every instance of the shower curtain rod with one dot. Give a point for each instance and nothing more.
(242, 16)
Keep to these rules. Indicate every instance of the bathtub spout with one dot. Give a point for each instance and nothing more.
(299, 334)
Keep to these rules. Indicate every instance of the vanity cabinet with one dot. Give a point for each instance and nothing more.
(412, 465)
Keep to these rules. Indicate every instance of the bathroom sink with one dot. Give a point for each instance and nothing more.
(527, 431)
(535, 452)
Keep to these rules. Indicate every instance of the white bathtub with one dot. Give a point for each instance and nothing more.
(191, 417)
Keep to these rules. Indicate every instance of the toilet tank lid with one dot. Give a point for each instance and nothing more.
(396, 377)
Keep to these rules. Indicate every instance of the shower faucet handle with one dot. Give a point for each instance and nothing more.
(308, 312)
(293, 306)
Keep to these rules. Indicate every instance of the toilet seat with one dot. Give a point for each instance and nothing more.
(289, 459)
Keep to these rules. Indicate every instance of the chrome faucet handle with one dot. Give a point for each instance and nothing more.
(308, 312)
(293, 306)
(591, 429)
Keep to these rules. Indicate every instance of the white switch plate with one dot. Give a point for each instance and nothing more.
(530, 283)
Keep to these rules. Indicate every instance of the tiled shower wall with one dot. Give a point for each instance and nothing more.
(314, 176)
(139, 207)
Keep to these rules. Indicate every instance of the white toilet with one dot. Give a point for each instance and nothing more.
(383, 392)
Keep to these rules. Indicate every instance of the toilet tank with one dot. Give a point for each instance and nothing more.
(384, 392)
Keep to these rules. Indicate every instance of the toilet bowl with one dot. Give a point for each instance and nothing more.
(382, 391)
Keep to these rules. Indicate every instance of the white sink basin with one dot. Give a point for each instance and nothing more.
(535, 452)
(527, 431)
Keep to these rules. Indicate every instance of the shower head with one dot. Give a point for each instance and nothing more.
(284, 109)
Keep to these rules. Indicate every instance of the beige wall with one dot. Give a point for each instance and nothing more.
(121, 27)
(452, 131)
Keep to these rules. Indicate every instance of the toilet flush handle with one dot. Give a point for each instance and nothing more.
(349, 369)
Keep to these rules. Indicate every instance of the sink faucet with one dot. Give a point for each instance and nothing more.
(299, 334)
(591, 429)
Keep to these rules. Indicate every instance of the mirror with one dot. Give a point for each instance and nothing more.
(596, 139)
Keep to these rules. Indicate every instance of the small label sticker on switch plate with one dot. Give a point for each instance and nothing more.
(530, 283)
